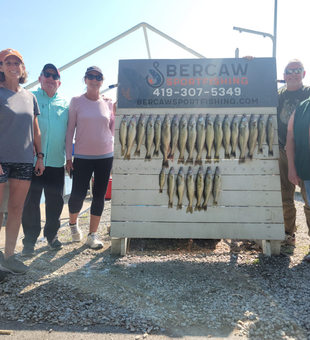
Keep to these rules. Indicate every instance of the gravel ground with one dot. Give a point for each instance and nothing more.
(164, 288)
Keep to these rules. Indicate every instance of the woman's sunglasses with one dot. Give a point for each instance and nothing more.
(98, 77)
(47, 75)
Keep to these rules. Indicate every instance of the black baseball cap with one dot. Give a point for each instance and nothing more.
(51, 66)
(94, 68)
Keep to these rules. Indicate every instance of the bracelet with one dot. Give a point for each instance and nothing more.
(39, 157)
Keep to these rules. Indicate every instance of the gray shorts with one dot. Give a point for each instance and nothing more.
(4, 205)
(22, 171)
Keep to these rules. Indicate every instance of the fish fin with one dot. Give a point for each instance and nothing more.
(214, 202)
(137, 152)
(166, 164)
(260, 150)
(156, 153)
(270, 153)
(233, 154)
(181, 160)
(227, 156)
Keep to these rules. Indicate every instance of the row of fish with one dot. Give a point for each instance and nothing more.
(201, 187)
(201, 134)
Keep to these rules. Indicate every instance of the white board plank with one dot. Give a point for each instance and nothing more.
(198, 230)
(256, 167)
(214, 214)
(229, 182)
(226, 198)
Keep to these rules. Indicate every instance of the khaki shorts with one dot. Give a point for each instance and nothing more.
(4, 205)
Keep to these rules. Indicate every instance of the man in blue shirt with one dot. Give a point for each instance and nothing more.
(53, 126)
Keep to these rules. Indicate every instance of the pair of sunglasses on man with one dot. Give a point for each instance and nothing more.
(294, 70)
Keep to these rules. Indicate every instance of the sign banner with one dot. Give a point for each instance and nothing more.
(197, 83)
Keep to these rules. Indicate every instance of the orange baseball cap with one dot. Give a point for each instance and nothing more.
(9, 51)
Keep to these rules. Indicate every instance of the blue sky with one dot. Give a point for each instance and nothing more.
(61, 31)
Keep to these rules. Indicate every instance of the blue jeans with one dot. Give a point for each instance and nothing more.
(307, 186)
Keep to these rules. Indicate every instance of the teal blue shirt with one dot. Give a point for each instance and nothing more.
(53, 122)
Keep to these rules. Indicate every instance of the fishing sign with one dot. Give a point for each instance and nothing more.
(197, 83)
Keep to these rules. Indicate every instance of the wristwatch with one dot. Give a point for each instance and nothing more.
(40, 153)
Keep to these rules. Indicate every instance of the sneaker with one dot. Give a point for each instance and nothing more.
(93, 241)
(307, 258)
(13, 266)
(55, 244)
(76, 232)
(289, 240)
(28, 251)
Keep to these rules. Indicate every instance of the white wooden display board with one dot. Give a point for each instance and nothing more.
(249, 204)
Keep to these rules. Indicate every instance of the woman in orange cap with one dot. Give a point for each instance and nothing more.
(19, 135)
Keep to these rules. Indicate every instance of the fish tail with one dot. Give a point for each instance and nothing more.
(270, 153)
(156, 153)
(170, 205)
(227, 156)
(189, 161)
(197, 207)
(216, 159)
(191, 209)
(198, 161)
(171, 156)
(188, 209)
(137, 152)
(148, 157)
(208, 159)
(160, 191)
(127, 157)
(214, 202)
(122, 152)
(181, 160)
(250, 156)
(166, 164)
(205, 207)
(233, 154)
(179, 206)
(260, 150)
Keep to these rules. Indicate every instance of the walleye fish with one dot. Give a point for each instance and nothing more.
(180, 187)
(140, 133)
(261, 133)
(216, 185)
(234, 135)
(218, 138)
(199, 187)
(252, 135)
(165, 140)
(200, 140)
(123, 134)
(270, 135)
(190, 187)
(207, 188)
(209, 137)
(226, 135)
(171, 187)
(243, 137)
(157, 134)
(162, 177)
(174, 135)
(131, 135)
(149, 137)
(183, 133)
(191, 139)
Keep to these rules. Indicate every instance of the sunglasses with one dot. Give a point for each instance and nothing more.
(295, 70)
(47, 75)
(98, 77)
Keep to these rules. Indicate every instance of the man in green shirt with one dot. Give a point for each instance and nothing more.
(53, 126)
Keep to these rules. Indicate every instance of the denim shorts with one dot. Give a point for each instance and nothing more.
(22, 171)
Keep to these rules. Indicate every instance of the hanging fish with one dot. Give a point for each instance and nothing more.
(182, 138)
(131, 135)
(199, 187)
(191, 139)
(165, 140)
(207, 188)
(140, 133)
(226, 135)
(200, 140)
(216, 185)
(253, 132)
(157, 135)
(261, 133)
(149, 137)
(190, 188)
(180, 187)
(243, 137)
(162, 177)
(270, 135)
(174, 135)
(218, 138)
(234, 135)
(171, 187)
(123, 134)
(209, 137)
